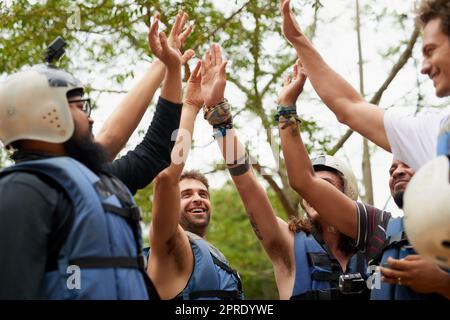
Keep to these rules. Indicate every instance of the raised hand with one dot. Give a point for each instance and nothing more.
(193, 95)
(214, 77)
(291, 29)
(168, 49)
(177, 37)
(292, 86)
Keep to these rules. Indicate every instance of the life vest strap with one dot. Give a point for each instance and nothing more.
(109, 262)
(132, 213)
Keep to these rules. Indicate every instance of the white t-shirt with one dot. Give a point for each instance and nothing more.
(413, 139)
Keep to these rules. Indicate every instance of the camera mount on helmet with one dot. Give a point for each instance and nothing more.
(34, 103)
(55, 50)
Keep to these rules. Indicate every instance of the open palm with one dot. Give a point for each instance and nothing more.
(168, 50)
(292, 86)
(214, 78)
(291, 29)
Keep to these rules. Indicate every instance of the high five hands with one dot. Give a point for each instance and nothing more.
(292, 85)
(291, 29)
(214, 76)
(168, 50)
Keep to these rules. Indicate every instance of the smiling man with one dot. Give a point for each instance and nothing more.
(195, 203)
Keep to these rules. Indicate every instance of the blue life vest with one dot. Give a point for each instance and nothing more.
(102, 248)
(443, 143)
(212, 277)
(397, 247)
(317, 272)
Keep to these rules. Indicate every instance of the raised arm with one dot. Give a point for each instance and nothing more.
(260, 212)
(123, 121)
(333, 206)
(166, 200)
(342, 99)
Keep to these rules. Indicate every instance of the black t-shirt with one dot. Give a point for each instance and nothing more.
(372, 225)
(33, 208)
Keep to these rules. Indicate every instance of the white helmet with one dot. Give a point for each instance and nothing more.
(427, 211)
(33, 105)
(350, 186)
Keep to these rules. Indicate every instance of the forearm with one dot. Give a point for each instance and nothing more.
(298, 165)
(341, 98)
(183, 140)
(140, 166)
(257, 205)
(334, 90)
(172, 85)
(166, 201)
(121, 124)
(166, 210)
(339, 210)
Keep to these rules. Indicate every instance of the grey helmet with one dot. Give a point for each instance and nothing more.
(350, 185)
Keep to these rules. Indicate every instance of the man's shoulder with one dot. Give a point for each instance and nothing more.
(28, 183)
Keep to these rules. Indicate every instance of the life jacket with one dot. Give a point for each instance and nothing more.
(443, 142)
(319, 276)
(397, 246)
(101, 249)
(212, 277)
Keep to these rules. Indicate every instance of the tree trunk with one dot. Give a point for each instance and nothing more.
(366, 166)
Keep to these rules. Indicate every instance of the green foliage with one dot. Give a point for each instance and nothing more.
(230, 231)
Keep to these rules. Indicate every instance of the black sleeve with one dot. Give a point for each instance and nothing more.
(27, 218)
(139, 167)
(372, 224)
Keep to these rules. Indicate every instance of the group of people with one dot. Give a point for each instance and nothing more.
(77, 216)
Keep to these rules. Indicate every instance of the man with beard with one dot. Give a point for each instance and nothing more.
(182, 264)
(69, 225)
(405, 275)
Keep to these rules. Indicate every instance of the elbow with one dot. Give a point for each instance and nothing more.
(348, 110)
(344, 117)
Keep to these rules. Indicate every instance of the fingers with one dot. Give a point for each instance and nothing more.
(398, 264)
(413, 257)
(176, 26)
(286, 8)
(392, 273)
(188, 55)
(184, 19)
(203, 68)
(222, 70)
(186, 33)
(207, 60)
(196, 73)
(154, 26)
(395, 277)
(286, 80)
(217, 57)
(295, 71)
(163, 40)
